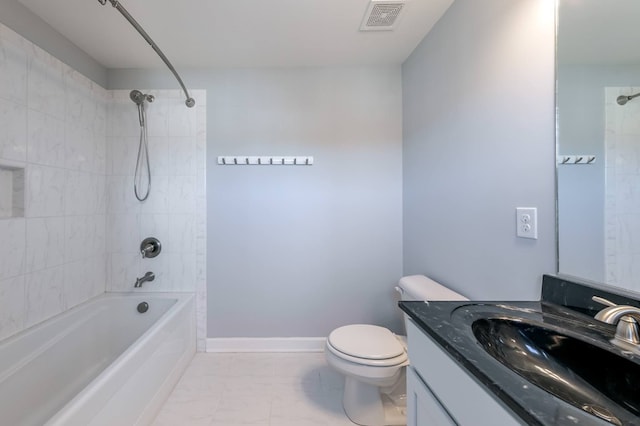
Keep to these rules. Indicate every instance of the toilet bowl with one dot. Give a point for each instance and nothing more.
(373, 361)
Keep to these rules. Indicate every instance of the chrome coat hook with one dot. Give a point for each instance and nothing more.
(577, 159)
(255, 160)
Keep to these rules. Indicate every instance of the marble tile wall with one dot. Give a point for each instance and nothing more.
(78, 230)
(622, 189)
(175, 211)
(53, 133)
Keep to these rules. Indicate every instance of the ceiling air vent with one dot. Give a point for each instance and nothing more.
(382, 15)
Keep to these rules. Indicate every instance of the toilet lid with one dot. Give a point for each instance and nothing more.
(366, 341)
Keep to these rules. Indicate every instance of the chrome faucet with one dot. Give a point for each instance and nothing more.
(149, 276)
(626, 319)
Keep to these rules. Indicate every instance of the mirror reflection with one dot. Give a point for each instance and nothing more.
(598, 60)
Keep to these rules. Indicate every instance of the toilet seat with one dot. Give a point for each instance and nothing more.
(367, 345)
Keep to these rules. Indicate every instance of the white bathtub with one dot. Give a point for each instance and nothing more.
(100, 363)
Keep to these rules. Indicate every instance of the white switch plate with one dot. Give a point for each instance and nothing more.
(527, 222)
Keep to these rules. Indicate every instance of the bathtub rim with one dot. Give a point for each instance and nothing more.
(49, 322)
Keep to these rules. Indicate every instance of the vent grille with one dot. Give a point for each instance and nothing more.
(382, 15)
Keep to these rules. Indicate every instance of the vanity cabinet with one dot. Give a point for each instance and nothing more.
(440, 392)
(423, 408)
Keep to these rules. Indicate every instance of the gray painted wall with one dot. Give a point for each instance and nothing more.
(21, 20)
(298, 251)
(581, 130)
(478, 108)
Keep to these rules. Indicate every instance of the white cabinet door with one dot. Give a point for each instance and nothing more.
(423, 408)
(466, 399)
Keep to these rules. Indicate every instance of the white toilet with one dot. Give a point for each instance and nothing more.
(373, 360)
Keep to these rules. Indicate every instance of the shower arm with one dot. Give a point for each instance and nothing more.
(190, 102)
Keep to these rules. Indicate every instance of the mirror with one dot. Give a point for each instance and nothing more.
(598, 140)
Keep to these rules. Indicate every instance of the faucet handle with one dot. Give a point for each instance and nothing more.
(150, 247)
(603, 301)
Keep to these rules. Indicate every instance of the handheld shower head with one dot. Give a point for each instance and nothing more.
(623, 99)
(138, 97)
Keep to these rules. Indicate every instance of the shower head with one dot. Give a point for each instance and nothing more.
(623, 99)
(138, 97)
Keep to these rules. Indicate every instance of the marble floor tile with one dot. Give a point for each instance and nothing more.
(257, 389)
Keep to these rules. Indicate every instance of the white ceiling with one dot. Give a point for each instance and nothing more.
(238, 33)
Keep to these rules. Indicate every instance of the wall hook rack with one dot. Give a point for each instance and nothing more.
(253, 160)
(565, 160)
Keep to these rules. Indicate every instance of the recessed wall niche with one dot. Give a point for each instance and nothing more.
(11, 191)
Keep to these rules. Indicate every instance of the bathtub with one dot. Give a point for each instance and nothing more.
(100, 363)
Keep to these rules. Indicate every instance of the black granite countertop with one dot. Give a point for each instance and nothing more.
(449, 325)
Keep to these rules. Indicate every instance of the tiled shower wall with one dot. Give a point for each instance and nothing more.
(73, 228)
(52, 132)
(622, 192)
(175, 211)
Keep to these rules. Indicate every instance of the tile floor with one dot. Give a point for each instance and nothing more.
(257, 389)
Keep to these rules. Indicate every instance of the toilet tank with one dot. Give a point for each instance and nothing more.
(419, 287)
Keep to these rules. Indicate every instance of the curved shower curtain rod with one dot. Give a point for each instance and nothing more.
(190, 102)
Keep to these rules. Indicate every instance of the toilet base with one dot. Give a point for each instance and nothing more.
(365, 405)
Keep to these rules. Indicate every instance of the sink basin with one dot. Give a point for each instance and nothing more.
(589, 377)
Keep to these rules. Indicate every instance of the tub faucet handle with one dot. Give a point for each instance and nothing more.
(150, 247)
(146, 250)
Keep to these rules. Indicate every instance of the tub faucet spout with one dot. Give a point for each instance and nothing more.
(149, 276)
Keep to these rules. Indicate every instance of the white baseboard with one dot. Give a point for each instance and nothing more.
(268, 344)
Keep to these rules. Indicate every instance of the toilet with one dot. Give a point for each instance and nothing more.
(374, 360)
